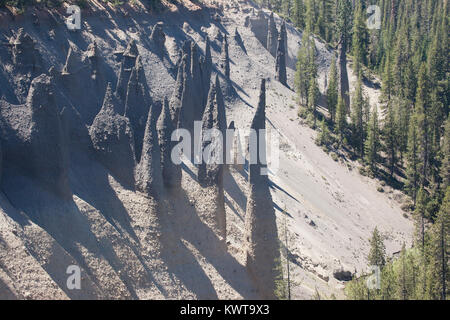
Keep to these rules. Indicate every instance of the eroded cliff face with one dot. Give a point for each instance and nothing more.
(87, 179)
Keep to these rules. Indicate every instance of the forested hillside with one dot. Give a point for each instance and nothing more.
(406, 143)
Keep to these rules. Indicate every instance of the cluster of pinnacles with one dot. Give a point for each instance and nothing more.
(131, 135)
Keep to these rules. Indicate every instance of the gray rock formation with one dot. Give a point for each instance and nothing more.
(225, 58)
(24, 53)
(213, 118)
(177, 94)
(74, 61)
(33, 138)
(280, 66)
(259, 26)
(197, 83)
(48, 154)
(128, 62)
(83, 82)
(283, 32)
(260, 234)
(187, 107)
(149, 178)
(272, 36)
(112, 139)
(137, 104)
(207, 70)
(171, 172)
(158, 37)
(238, 158)
(26, 65)
(237, 37)
(210, 171)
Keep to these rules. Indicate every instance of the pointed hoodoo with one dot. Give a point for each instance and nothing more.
(49, 161)
(177, 94)
(92, 51)
(280, 67)
(210, 172)
(74, 61)
(149, 178)
(128, 62)
(260, 234)
(238, 156)
(171, 172)
(187, 107)
(158, 37)
(207, 71)
(225, 58)
(137, 104)
(131, 51)
(238, 39)
(197, 82)
(213, 118)
(112, 139)
(272, 37)
(24, 53)
(259, 26)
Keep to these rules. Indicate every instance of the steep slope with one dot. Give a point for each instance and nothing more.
(130, 245)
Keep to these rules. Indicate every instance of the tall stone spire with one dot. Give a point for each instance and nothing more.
(272, 36)
(171, 172)
(177, 94)
(225, 58)
(148, 172)
(210, 172)
(281, 59)
(112, 139)
(187, 106)
(47, 152)
(213, 118)
(260, 234)
(207, 70)
(197, 83)
(137, 104)
(237, 37)
(74, 61)
(259, 26)
(157, 36)
(128, 62)
(24, 53)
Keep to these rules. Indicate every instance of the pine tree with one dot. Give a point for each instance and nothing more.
(377, 254)
(421, 111)
(360, 38)
(390, 134)
(313, 93)
(298, 12)
(413, 165)
(445, 168)
(439, 251)
(332, 90)
(373, 141)
(358, 126)
(341, 119)
(323, 138)
(419, 217)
